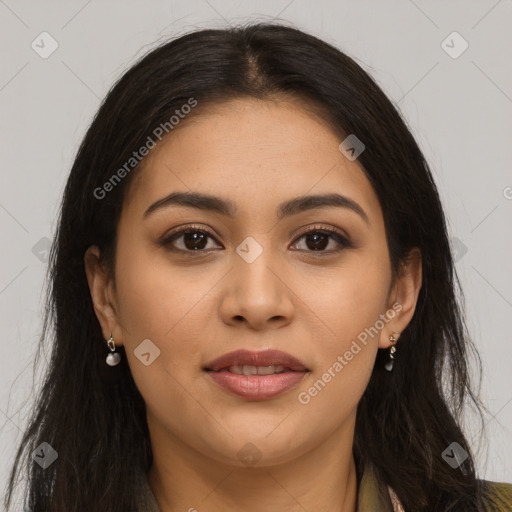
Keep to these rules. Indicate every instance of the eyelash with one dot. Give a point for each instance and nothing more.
(331, 232)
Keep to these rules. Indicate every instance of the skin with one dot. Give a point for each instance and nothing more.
(197, 306)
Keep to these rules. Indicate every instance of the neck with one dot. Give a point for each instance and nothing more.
(323, 478)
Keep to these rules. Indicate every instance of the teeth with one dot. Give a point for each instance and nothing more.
(269, 370)
(256, 370)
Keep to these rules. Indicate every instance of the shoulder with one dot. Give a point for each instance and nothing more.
(500, 493)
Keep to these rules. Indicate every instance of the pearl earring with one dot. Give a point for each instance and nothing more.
(392, 350)
(114, 358)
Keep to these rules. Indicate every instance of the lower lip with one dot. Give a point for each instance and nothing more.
(257, 387)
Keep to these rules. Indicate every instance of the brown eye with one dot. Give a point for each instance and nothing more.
(188, 240)
(318, 239)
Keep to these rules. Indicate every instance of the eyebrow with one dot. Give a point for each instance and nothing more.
(229, 208)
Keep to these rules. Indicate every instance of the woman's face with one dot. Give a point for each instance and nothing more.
(254, 282)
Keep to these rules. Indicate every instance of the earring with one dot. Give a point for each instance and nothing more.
(114, 358)
(392, 350)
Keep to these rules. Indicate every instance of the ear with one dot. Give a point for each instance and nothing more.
(103, 294)
(403, 297)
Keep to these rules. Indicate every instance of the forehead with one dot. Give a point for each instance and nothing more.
(255, 152)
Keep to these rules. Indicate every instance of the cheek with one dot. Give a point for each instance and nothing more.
(344, 363)
(165, 304)
(351, 308)
(172, 306)
(350, 299)
(156, 297)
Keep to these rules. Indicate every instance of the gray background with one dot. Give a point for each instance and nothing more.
(458, 108)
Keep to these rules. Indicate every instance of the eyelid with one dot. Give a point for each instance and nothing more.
(190, 227)
(328, 229)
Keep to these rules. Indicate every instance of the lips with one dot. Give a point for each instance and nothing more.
(264, 358)
(256, 375)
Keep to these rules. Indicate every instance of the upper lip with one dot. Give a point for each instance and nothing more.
(251, 358)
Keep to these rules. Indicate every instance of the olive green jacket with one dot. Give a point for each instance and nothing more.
(368, 498)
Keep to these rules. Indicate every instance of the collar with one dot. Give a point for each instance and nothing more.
(370, 497)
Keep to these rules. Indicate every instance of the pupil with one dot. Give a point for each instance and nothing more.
(318, 244)
(194, 239)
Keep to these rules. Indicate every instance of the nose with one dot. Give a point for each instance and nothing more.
(258, 294)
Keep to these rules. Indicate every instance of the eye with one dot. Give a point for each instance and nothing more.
(318, 238)
(190, 239)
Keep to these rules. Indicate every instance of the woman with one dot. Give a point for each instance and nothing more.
(254, 297)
